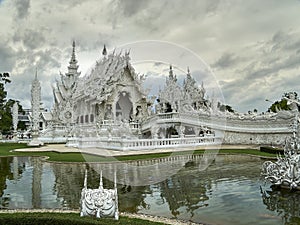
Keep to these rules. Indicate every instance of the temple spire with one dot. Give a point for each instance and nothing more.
(36, 76)
(73, 57)
(171, 72)
(104, 51)
(72, 68)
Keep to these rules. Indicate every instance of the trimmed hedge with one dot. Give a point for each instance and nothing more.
(271, 150)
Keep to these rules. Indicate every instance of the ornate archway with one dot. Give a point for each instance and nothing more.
(124, 106)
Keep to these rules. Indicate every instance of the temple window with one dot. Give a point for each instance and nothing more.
(86, 119)
(92, 118)
(81, 119)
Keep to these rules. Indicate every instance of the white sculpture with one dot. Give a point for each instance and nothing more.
(99, 202)
(15, 119)
(35, 107)
(285, 172)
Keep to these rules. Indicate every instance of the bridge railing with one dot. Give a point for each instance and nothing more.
(142, 144)
(220, 122)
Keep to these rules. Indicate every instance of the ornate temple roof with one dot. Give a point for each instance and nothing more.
(108, 72)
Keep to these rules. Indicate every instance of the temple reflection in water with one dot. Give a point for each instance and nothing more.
(284, 202)
(230, 186)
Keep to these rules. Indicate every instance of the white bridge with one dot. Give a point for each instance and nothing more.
(142, 144)
(228, 130)
(249, 125)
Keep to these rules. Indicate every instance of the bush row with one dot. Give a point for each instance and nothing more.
(271, 150)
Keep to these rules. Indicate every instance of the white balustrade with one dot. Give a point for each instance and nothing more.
(247, 125)
(142, 144)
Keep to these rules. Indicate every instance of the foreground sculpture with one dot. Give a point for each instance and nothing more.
(285, 172)
(99, 202)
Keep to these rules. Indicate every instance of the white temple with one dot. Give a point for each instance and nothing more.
(108, 108)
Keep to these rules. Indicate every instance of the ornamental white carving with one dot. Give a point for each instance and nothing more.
(35, 104)
(99, 202)
(285, 172)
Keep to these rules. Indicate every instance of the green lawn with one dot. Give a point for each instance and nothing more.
(66, 219)
(5, 149)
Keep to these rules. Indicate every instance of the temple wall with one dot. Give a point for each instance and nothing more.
(231, 137)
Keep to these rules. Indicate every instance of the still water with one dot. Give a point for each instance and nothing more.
(228, 191)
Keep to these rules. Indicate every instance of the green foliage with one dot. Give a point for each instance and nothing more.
(5, 150)
(224, 108)
(6, 115)
(6, 106)
(283, 103)
(279, 105)
(66, 219)
(272, 150)
(4, 78)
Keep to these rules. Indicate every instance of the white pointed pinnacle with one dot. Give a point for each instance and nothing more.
(85, 179)
(101, 181)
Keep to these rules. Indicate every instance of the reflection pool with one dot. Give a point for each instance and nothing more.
(228, 191)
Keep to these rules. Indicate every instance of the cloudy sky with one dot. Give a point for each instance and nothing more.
(252, 47)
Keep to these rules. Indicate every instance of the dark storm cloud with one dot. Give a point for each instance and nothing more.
(212, 6)
(274, 57)
(274, 60)
(7, 57)
(130, 7)
(226, 60)
(22, 7)
(285, 41)
(158, 64)
(31, 39)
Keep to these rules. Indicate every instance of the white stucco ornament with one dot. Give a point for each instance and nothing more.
(99, 202)
(285, 172)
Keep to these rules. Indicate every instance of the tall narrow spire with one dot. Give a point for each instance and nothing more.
(73, 57)
(72, 68)
(36, 77)
(188, 75)
(104, 51)
(171, 72)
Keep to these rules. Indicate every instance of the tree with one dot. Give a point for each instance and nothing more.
(224, 108)
(6, 107)
(4, 78)
(5, 116)
(283, 103)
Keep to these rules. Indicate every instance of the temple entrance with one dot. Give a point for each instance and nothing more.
(124, 107)
(171, 132)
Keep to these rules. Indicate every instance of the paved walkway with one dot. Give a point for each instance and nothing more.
(61, 148)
